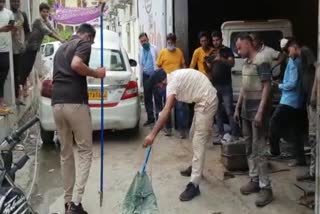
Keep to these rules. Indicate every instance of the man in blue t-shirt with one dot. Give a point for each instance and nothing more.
(290, 114)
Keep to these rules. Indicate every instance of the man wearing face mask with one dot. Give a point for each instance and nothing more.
(148, 64)
(171, 59)
(72, 113)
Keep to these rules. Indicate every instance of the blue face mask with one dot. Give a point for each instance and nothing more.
(146, 46)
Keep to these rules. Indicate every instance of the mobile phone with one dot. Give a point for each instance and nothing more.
(11, 22)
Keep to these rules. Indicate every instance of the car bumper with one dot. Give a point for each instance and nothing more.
(125, 115)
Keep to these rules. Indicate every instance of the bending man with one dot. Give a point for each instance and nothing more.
(189, 86)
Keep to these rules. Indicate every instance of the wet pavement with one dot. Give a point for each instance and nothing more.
(49, 182)
(123, 158)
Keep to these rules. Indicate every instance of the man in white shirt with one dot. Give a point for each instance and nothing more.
(6, 26)
(189, 86)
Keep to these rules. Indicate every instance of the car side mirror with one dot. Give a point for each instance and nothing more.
(133, 63)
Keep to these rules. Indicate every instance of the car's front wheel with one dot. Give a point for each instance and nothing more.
(47, 136)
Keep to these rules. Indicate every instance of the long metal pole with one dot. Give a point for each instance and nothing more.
(317, 201)
(102, 109)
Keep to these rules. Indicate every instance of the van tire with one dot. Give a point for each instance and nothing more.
(47, 136)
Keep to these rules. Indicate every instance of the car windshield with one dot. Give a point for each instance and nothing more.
(113, 60)
(270, 38)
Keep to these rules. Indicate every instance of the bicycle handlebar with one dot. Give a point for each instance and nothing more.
(21, 162)
(26, 126)
(12, 140)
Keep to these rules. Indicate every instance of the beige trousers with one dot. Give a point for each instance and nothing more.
(256, 142)
(73, 122)
(200, 134)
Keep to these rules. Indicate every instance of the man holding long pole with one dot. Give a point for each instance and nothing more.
(72, 113)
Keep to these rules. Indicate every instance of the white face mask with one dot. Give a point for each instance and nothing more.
(171, 47)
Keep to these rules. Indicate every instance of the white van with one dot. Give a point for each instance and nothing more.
(271, 31)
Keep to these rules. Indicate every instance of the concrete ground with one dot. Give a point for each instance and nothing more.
(123, 158)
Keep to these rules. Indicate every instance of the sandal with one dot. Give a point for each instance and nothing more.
(4, 111)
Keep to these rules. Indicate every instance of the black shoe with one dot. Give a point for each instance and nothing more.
(264, 197)
(148, 122)
(187, 172)
(190, 192)
(250, 187)
(66, 206)
(183, 135)
(73, 209)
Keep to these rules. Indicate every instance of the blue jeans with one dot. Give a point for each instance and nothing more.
(181, 111)
(182, 115)
(161, 93)
(150, 94)
(225, 96)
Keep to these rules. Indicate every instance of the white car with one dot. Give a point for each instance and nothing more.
(122, 103)
(48, 50)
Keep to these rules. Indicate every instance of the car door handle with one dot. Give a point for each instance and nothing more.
(236, 72)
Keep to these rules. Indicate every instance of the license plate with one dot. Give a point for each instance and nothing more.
(96, 95)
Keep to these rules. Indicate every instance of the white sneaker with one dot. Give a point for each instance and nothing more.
(227, 138)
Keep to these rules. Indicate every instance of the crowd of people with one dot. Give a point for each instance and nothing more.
(25, 46)
(207, 87)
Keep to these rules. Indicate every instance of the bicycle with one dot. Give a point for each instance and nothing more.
(13, 200)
